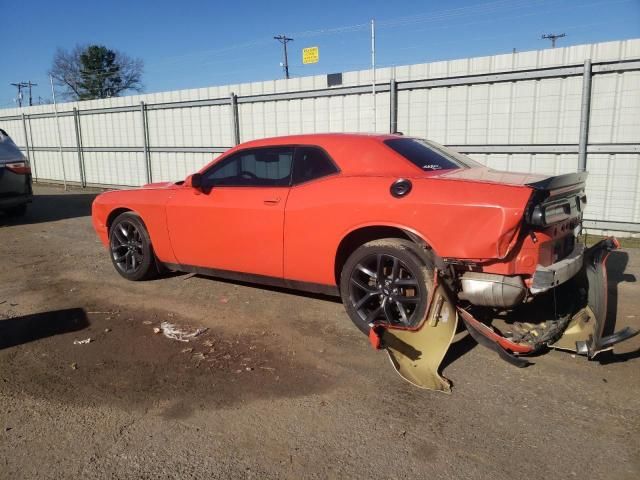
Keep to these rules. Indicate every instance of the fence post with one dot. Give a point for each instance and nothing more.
(235, 119)
(26, 137)
(76, 125)
(584, 116)
(32, 159)
(145, 138)
(393, 104)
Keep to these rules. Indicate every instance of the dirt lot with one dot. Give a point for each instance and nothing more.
(281, 385)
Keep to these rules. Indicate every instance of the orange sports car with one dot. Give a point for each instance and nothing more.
(381, 220)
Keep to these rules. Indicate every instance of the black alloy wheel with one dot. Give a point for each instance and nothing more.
(386, 282)
(130, 247)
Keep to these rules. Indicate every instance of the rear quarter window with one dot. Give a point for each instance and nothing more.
(422, 155)
(310, 163)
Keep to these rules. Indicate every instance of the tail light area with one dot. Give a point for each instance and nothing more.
(554, 216)
(555, 211)
(21, 168)
(545, 253)
(539, 247)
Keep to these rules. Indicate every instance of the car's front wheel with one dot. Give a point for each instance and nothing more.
(386, 282)
(130, 247)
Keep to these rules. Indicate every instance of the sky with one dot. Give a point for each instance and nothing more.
(192, 44)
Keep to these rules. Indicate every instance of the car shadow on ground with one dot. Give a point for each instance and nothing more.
(28, 328)
(48, 208)
(458, 348)
(271, 288)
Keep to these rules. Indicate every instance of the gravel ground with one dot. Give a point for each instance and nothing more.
(280, 386)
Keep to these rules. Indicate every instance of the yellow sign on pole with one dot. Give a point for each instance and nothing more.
(310, 55)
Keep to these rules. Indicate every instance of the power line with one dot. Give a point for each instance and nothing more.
(283, 39)
(207, 53)
(475, 10)
(487, 8)
(553, 37)
(447, 18)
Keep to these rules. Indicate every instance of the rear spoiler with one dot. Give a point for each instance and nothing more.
(560, 181)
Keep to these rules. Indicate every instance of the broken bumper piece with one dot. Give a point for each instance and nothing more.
(486, 336)
(546, 278)
(579, 330)
(584, 333)
(416, 353)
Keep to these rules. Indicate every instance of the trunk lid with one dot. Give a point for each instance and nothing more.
(554, 199)
(487, 175)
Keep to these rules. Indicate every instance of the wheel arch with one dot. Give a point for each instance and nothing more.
(366, 233)
(113, 214)
(116, 212)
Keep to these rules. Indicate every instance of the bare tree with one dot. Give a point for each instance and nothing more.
(93, 71)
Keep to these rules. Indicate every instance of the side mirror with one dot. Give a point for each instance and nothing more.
(196, 180)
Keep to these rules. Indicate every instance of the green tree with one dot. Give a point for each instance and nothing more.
(95, 71)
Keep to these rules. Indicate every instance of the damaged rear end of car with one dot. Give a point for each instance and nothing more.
(543, 289)
(567, 276)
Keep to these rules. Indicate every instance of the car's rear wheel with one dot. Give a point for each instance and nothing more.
(386, 282)
(130, 247)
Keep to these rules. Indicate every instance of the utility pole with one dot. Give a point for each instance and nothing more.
(553, 37)
(29, 84)
(373, 71)
(283, 39)
(20, 86)
(55, 110)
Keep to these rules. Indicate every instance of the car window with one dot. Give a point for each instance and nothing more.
(423, 155)
(311, 163)
(255, 167)
(461, 158)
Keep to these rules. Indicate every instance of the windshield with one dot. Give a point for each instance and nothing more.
(430, 156)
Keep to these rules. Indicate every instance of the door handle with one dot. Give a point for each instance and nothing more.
(272, 201)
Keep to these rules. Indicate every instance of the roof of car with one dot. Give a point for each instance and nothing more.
(316, 138)
(355, 153)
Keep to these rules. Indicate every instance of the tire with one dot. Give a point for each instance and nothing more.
(130, 248)
(408, 281)
(18, 211)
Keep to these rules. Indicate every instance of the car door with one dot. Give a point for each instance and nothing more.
(235, 220)
(315, 210)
